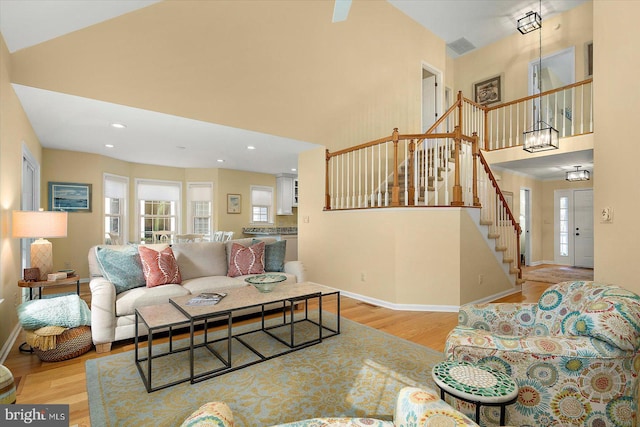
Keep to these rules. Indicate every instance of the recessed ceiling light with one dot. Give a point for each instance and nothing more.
(109, 145)
(293, 169)
(181, 147)
(220, 160)
(118, 125)
(250, 147)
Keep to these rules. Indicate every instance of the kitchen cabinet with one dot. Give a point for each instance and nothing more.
(295, 193)
(285, 194)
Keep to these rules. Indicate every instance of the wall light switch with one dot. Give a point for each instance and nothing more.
(305, 219)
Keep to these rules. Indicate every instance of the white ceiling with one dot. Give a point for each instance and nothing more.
(82, 124)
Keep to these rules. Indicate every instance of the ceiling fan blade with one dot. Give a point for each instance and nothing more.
(341, 10)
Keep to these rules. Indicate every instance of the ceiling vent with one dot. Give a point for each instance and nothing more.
(461, 46)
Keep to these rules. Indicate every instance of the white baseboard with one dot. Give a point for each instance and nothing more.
(537, 263)
(401, 307)
(6, 348)
(426, 307)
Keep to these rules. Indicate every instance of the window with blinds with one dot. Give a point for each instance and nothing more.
(261, 205)
(158, 208)
(200, 208)
(116, 190)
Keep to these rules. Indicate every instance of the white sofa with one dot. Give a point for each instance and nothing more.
(203, 267)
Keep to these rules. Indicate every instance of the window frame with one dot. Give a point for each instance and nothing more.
(124, 211)
(191, 210)
(141, 216)
(269, 208)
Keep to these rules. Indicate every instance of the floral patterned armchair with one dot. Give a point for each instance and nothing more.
(574, 355)
(415, 407)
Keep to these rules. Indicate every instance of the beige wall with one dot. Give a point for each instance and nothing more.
(86, 229)
(511, 56)
(616, 154)
(336, 84)
(420, 257)
(15, 130)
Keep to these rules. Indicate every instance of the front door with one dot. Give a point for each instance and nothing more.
(583, 228)
(574, 227)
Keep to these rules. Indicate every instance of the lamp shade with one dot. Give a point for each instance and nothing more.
(36, 224)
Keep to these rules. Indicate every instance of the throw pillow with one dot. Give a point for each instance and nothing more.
(122, 267)
(159, 267)
(246, 260)
(273, 255)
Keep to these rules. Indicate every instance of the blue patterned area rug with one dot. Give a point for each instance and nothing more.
(357, 373)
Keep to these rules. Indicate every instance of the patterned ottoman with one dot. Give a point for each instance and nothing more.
(71, 343)
(7, 386)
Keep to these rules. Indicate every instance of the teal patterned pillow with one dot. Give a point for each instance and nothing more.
(121, 267)
(274, 255)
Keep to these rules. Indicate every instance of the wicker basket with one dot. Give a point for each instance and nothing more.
(71, 343)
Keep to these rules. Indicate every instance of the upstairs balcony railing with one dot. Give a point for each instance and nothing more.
(445, 167)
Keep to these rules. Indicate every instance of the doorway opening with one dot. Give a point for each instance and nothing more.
(431, 96)
(525, 224)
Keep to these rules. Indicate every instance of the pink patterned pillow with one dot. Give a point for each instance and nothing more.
(246, 260)
(159, 267)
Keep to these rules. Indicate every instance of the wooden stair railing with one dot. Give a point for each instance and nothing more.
(497, 215)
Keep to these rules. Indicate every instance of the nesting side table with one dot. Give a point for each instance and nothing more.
(475, 384)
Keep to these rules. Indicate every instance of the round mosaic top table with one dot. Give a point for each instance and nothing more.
(476, 384)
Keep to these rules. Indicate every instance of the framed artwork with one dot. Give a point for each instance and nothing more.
(488, 91)
(234, 203)
(69, 197)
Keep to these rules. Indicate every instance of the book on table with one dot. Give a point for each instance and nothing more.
(206, 298)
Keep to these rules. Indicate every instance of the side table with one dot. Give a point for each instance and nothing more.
(46, 284)
(475, 384)
(50, 284)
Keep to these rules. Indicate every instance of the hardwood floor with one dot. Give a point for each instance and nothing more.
(65, 382)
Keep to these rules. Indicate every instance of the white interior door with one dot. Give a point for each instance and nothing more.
(583, 228)
(573, 239)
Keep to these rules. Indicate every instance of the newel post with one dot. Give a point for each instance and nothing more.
(411, 173)
(327, 195)
(476, 153)
(395, 190)
(457, 188)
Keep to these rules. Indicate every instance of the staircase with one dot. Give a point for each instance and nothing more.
(445, 165)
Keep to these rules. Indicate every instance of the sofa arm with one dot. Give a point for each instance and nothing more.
(425, 408)
(210, 414)
(103, 311)
(296, 268)
(499, 318)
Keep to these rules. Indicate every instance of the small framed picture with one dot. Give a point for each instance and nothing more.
(234, 203)
(488, 91)
(69, 197)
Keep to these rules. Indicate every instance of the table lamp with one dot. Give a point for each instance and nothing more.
(40, 225)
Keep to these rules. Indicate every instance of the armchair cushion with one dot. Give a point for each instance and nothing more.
(608, 313)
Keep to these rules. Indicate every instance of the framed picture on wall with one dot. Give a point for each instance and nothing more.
(488, 91)
(234, 203)
(69, 197)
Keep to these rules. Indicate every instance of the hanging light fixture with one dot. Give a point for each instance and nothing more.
(541, 136)
(578, 174)
(531, 22)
